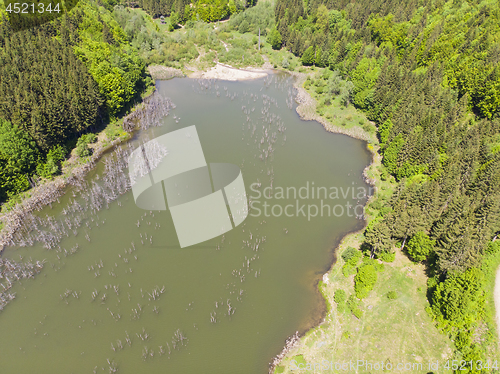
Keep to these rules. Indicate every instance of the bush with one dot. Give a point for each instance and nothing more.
(388, 256)
(392, 295)
(420, 246)
(354, 306)
(51, 166)
(351, 256)
(308, 56)
(82, 145)
(458, 302)
(285, 63)
(364, 280)
(348, 270)
(339, 296)
(368, 127)
(244, 27)
(274, 39)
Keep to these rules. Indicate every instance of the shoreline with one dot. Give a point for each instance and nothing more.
(50, 191)
(228, 73)
(306, 109)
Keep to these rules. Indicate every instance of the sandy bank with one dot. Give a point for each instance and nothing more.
(228, 73)
(164, 72)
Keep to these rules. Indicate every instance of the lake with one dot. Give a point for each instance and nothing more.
(118, 293)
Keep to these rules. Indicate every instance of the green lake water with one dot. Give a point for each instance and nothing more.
(54, 326)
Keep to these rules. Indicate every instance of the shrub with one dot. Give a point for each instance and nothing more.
(82, 145)
(274, 38)
(367, 127)
(392, 295)
(351, 256)
(340, 296)
(308, 56)
(364, 280)
(285, 63)
(244, 27)
(459, 301)
(341, 308)
(51, 166)
(348, 270)
(299, 359)
(388, 256)
(420, 246)
(354, 306)
(89, 138)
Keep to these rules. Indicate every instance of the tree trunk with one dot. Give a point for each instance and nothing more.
(403, 245)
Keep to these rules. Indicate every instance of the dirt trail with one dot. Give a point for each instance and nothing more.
(497, 300)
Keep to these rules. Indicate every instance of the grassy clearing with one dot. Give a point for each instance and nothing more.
(393, 331)
(330, 106)
(490, 267)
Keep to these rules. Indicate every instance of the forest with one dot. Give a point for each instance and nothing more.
(58, 81)
(427, 74)
(185, 10)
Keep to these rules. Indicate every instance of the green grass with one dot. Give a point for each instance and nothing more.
(397, 330)
(114, 130)
(330, 106)
(276, 58)
(490, 267)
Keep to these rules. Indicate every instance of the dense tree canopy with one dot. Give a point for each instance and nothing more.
(427, 74)
(206, 10)
(58, 80)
